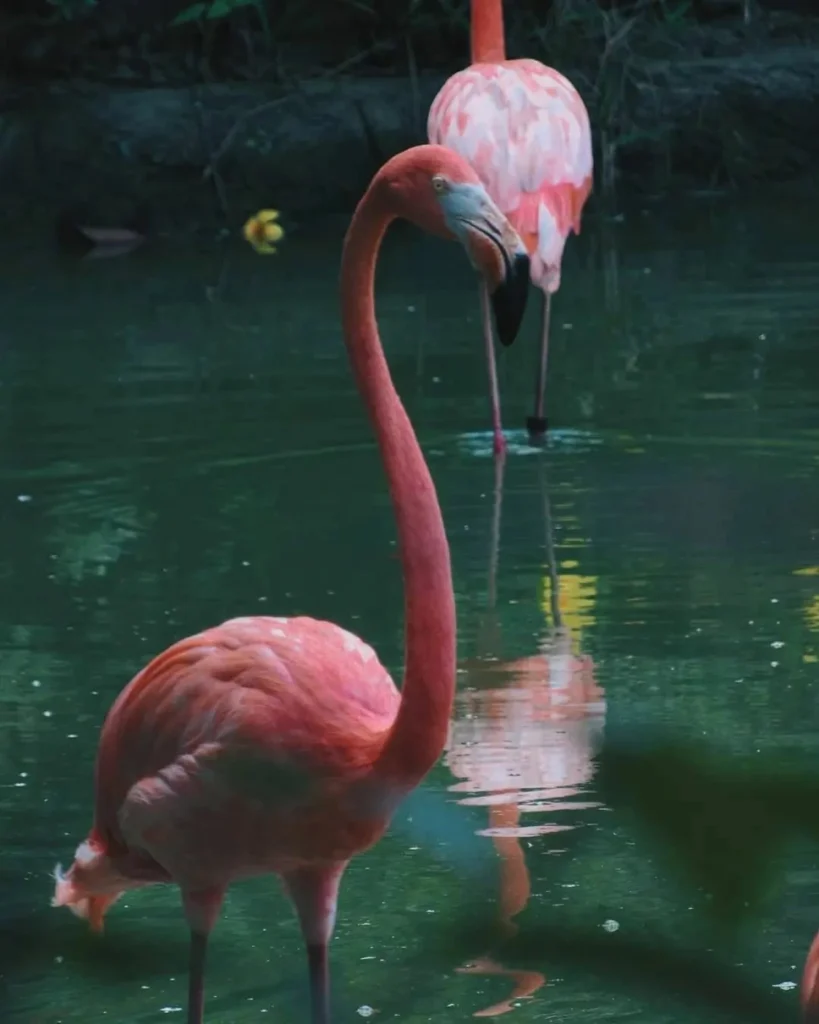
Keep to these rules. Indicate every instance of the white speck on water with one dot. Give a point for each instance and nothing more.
(774, 664)
(778, 643)
(774, 600)
(24, 497)
(410, 309)
(611, 926)
(47, 714)
(71, 736)
(786, 986)
(23, 775)
(365, 1011)
(36, 682)
(170, 1009)
(58, 959)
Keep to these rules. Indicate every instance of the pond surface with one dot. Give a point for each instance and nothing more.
(182, 444)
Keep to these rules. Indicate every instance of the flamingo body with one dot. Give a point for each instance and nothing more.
(525, 130)
(235, 753)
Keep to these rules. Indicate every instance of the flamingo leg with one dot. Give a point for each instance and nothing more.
(314, 892)
(498, 441)
(318, 963)
(201, 910)
(537, 424)
(196, 977)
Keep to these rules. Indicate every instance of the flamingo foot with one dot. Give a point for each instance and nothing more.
(537, 427)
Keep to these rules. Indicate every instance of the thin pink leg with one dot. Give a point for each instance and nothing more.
(499, 442)
(314, 892)
(537, 423)
(201, 909)
(494, 551)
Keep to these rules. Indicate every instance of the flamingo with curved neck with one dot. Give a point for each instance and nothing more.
(281, 745)
(525, 129)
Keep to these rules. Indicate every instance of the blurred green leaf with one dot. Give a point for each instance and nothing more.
(210, 10)
(721, 821)
(191, 13)
(221, 8)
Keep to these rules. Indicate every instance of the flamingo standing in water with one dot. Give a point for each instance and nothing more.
(282, 745)
(525, 130)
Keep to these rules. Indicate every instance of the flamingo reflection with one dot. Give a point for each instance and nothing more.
(523, 735)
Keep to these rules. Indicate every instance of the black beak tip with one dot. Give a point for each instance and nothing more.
(509, 299)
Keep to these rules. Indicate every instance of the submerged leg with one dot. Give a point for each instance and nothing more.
(201, 909)
(538, 423)
(314, 892)
(498, 441)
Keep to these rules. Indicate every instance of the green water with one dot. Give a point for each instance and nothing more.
(182, 444)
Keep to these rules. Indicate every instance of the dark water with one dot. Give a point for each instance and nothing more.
(183, 444)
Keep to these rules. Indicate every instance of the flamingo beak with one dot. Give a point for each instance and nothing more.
(495, 249)
(508, 299)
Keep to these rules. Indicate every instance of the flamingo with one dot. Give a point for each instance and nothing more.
(525, 130)
(281, 745)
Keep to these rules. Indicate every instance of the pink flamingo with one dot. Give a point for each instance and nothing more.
(282, 745)
(525, 130)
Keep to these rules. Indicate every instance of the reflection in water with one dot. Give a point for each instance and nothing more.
(523, 734)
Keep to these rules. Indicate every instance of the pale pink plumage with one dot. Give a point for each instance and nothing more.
(525, 130)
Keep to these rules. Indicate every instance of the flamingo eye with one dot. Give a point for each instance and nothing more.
(439, 184)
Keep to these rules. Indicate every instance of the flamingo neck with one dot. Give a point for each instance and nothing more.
(418, 735)
(486, 32)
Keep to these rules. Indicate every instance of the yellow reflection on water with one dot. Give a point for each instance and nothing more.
(577, 597)
(811, 612)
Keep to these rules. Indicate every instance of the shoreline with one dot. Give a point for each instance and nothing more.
(188, 155)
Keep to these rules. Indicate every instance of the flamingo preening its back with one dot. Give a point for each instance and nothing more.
(281, 745)
(525, 130)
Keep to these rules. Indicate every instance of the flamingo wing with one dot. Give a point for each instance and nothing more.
(525, 130)
(257, 712)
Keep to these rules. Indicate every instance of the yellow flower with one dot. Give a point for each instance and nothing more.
(262, 231)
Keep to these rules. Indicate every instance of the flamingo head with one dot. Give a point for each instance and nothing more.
(437, 189)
